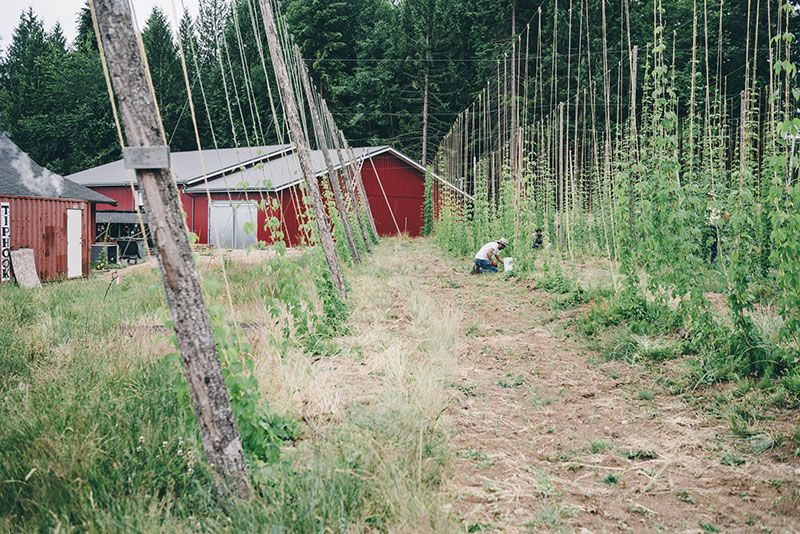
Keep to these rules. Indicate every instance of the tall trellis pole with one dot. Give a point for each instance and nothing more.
(348, 176)
(322, 143)
(303, 150)
(145, 137)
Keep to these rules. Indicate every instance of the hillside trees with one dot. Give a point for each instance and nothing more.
(165, 70)
(370, 59)
(53, 99)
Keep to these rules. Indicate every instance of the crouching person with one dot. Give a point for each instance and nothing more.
(488, 257)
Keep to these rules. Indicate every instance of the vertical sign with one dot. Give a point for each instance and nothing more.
(5, 241)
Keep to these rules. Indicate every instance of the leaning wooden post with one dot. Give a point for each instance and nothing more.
(323, 146)
(303, 151)
(149, 155)
(349, 178)
(359, 180)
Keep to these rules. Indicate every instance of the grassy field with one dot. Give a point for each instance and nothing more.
(96, 434)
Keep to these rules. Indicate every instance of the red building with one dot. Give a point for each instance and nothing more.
(45, 212)
(226, 192)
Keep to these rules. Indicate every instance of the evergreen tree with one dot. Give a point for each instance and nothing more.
(168, 81)
(370, 59)
(21, 75)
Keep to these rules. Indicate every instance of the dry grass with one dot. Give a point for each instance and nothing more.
(384, 393)
(373, 448)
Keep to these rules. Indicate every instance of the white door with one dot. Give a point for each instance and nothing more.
(233, 224)
(246, 224)
(74, 243)
(220, 229)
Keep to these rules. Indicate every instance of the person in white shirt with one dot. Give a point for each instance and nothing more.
(486, 256)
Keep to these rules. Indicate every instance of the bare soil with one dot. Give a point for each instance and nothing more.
(549, 437)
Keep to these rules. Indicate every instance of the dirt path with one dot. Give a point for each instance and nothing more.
(550, 438)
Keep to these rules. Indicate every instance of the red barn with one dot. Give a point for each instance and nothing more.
(49, 214)
(229, 192)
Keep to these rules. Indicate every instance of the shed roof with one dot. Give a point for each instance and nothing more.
(185, 166)
(274, 174)
(120, 217)
(20, 176)
(284, 171)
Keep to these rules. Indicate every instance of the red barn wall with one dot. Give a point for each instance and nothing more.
(122, 194)
(41, 224)
(403, 184)
(125, 202)
(405, 190)
(291, 200)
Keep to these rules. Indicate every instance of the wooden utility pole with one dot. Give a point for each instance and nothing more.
(303, 151)
(323, 146)
(359, 181)
(145, 137)
(349, 179)
(424, 160)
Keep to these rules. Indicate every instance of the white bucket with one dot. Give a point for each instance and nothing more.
(508, 264)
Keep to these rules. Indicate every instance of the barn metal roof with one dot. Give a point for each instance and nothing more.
(120, 217)
(276, 173)
(185, 166)
(20, 176)
(261, 168)
(284, 171)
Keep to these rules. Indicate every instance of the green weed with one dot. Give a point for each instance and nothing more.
(645, 395)
(640, 454)
(732, 460)
(598, 447)
(552, 516)
(511, 381)
(541, 402)
(468, 391)
(479, 458)
(611, 479)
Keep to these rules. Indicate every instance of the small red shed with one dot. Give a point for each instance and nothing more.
(45, 212)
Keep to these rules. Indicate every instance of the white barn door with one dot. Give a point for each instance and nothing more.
(74, 243)
(232, 224)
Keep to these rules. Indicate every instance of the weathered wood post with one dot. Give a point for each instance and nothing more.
(149, 155)
(349, 178)
(359, 181)
(303, 151)
(323, 146)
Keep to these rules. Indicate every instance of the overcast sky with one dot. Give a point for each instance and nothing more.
(66, 12)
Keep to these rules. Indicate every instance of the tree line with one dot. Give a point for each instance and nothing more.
(394, 72)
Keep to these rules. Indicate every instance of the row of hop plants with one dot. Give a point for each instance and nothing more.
(680, 203)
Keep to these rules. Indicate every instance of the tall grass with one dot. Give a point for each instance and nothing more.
(94, 432)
